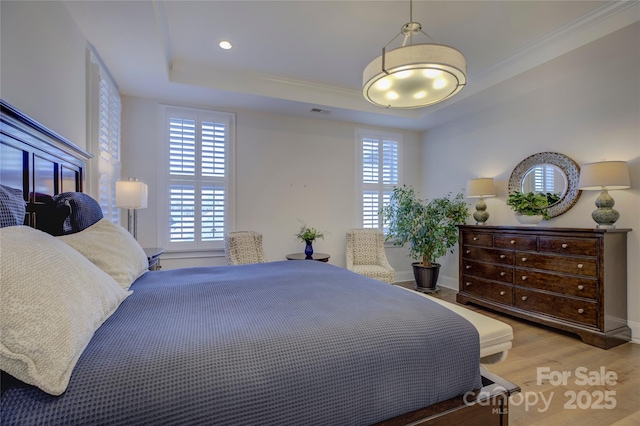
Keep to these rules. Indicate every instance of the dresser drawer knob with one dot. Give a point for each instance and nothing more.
(580, 287)
(475, 238)
(468, 267)
(524, 259)
(524, 277)
(502, 293)
(524, 297)
(468, 251)
(467, 283)
(565, 245)
(580, 266)
(581, 311)
(502, 274)
(512, 241)
(503, 256)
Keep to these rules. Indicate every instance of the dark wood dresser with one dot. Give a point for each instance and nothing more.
(567, 278)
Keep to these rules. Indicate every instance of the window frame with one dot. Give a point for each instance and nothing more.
(165, 112)
(380, 186)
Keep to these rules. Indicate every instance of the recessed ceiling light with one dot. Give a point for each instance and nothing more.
(226, 45)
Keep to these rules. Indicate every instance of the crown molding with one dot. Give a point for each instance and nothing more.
(196, 74)
(591, 19)
(165, 34)
(602, 21)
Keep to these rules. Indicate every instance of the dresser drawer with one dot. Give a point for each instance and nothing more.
(577, 310)
(571, 265)
(554, 276)
(562, 284)
(515, 242)
(488, 271)
(584, 247)
(488, 255)
(502, 293)
(478, 239)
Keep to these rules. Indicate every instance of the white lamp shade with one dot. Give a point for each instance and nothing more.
(605, 174)
(131, 194)
(481, 187)
(414, 76)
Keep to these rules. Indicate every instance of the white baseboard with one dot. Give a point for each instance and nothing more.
(443, 281)
(448, 282)
(635, 331)
(402, 276)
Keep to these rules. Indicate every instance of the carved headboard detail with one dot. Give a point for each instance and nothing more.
(37, 160)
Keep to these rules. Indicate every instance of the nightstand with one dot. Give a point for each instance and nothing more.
(153, 256)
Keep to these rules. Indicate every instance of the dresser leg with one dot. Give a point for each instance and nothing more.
(607, 340)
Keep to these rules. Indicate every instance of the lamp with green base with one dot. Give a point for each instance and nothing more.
(480, 188)
(603, 176)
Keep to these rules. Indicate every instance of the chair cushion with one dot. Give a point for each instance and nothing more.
(244, 247)
(365, 248)
(376, 272)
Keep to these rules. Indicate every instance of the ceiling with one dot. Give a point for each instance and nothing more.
(294, 56)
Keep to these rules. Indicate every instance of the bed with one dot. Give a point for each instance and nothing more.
(275, 343)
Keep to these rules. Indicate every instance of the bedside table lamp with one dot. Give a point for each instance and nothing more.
(479, 188)
(603, 176)
(132, 195)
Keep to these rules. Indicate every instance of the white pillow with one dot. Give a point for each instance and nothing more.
(53, 300)
(111, 248)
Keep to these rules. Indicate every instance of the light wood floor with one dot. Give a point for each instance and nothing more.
(538, 347)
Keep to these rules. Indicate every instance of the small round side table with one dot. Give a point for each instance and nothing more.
(320, 257)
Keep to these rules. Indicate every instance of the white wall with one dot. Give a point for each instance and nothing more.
(585, 104)
(43, 73)
(289, 171)
(43, 68)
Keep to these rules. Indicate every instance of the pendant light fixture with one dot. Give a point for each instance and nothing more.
(414, 75)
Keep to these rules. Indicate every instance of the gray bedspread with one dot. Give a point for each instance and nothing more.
(281, 343)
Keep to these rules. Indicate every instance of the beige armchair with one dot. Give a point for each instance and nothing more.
(243, 247)
(366, 256)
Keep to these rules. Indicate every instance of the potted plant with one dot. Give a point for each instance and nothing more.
(430, 228)
(530, 207)
(309, 235)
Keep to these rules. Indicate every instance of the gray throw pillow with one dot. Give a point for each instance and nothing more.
(12, 207)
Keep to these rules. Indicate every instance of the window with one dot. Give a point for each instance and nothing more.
(544, 178)
(104, 137)
(379, 171)
(197, 161)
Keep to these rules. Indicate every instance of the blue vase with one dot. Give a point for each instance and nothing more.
(308, 250)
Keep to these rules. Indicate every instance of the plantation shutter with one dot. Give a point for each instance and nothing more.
(198, 160)
(109, 122)
(380, 172)
(543, 179)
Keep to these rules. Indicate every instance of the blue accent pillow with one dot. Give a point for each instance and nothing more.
(71, 212)
(12, 207)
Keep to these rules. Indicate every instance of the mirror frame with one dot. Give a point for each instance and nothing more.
(569, 167)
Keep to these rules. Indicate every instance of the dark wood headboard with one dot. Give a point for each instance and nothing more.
(37, 160)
